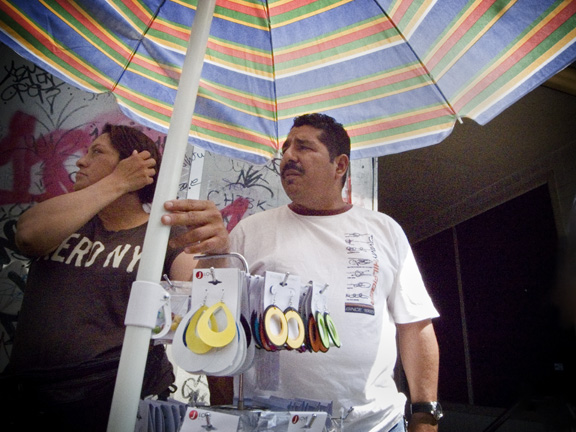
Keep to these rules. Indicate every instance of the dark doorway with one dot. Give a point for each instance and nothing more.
(492, 279)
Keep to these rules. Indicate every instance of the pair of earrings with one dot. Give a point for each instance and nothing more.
(202, 332)
(321, 332)
(317, 335)
(276, 330)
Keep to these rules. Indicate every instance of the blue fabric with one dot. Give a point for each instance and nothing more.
(386, 69)
(400, 426)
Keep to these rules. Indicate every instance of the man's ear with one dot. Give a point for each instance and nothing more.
(342, 161)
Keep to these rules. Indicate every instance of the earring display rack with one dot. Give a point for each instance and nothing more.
(211, 312)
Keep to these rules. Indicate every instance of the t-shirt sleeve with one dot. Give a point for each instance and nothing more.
(409, 300)
(172, 253)
(237, 239)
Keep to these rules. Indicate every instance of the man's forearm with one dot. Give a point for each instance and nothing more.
(420, 360)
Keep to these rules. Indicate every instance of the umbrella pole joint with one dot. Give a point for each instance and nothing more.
(146, 298)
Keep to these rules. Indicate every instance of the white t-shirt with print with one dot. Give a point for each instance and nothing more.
(373, 283)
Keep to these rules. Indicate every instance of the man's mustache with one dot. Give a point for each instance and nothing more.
(291, 165)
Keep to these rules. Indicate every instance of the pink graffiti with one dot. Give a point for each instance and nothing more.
(235, 212)
(24, 151)
(45, 157)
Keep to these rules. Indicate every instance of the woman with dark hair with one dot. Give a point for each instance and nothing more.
(125, 140)
(85, 248)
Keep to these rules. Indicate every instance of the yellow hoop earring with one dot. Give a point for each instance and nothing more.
(274, 314)
(213, 338)
(295, 342)
(191, 339)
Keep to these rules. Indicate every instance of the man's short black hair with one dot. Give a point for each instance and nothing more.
(333, 135)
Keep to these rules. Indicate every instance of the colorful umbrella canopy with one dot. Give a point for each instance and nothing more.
(396, 73)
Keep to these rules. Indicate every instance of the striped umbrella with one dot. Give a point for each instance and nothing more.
(396, 73)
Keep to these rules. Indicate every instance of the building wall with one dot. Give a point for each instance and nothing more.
(487, 212)
(476, 168)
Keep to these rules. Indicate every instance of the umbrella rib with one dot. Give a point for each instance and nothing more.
(135, 50)
(267, 10)
(422, 63)
(438, 88)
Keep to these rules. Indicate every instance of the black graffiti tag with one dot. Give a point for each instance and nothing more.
(250, 178)
(30, 82)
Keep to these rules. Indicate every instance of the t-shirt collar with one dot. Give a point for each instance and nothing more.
(303, 211)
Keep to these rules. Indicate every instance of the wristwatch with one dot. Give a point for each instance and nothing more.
(432, 408)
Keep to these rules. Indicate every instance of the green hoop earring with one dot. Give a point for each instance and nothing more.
(322, 330)
(331, 326)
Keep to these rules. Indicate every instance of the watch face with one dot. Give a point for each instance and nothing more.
(438, 414)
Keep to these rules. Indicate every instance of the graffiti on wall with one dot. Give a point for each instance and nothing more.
(243, 189)
(45, 128)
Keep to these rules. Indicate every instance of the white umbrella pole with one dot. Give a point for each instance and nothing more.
(146, 292)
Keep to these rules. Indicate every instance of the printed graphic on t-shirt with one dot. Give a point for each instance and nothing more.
(361, 273)
(80, 251)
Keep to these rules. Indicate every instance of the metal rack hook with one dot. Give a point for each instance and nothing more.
(227, 255)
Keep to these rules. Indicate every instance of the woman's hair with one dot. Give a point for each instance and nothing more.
(126, 139)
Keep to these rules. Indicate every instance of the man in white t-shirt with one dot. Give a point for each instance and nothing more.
(375, 293)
